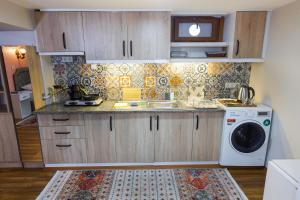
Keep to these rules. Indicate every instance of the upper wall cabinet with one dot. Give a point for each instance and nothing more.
(148, 35)
(105, 36)
(127, 35)
(249, 34)
(59, 32)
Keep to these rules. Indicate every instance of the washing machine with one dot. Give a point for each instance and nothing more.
(245, 138)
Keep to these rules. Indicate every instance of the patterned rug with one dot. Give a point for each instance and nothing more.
(162, 184)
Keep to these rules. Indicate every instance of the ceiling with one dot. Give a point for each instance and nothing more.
(174, 5)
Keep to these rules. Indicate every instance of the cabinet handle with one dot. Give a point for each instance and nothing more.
(150, 123)
(131, 48)
(64, 40)
(197, 122)
(62, 133)
(124, 48)
(237, 47)
(157, 123)
(110, 123)
(60, 120)
(63, 145)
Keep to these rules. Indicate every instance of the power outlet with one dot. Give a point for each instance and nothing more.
(67, 59)
(231, 85)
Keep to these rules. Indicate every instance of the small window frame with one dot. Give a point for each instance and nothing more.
(217, 28)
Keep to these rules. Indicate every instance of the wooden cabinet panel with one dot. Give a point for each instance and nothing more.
(100, 133)
(55, 27)
(207, 136)
(134, 138)
(105, 33)
(9, 151)
(62, 132)
(173, 140)
(148, 35)
(249, 34)
(60, 119)
(64, 151)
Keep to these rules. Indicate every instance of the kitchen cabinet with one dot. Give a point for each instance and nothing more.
(249, 34)
(9, 151)
(101, 135)
(127, 35)
(59, 32)
(63, 138)
(207, 136)
(134, 137)
(173, 137)
(64, 151)
(105, 36)
(148, 35)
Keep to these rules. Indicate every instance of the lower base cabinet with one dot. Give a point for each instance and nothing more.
(134, 137)
(64, 151)
(101, 135)
(173, 139)
(207, 136)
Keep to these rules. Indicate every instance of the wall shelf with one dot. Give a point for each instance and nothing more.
(199, 44)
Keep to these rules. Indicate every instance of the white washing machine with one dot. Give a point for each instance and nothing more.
(245, 136)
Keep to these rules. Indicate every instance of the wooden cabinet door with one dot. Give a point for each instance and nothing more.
(59, 32)
(207, 136)
(9, 151)
(100, 134)
(173, 140)
(148, 35)
(134, 138)
(64, 151)
(249, 34)
(105, 36)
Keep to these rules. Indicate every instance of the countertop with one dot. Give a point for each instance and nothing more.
(108, 107)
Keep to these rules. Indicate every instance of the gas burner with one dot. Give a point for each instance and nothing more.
(83, 103)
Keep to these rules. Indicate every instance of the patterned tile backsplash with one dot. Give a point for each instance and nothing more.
(155, 80)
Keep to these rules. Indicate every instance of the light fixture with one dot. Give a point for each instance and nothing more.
(20, 53)
(194, 30)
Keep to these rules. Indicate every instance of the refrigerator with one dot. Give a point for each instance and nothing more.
(283, 180)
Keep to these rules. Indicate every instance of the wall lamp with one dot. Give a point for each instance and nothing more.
(20, 53)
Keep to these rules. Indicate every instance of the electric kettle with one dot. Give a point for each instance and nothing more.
(246, 94)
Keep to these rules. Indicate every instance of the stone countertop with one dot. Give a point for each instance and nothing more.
(108, 107)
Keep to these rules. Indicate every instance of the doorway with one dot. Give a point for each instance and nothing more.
(20, 66)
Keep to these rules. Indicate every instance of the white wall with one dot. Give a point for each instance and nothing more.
(277, 81)
(15, 38)
(16, 15)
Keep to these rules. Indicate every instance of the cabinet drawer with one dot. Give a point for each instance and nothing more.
(60, 120)
(64, 151)
(62, 132)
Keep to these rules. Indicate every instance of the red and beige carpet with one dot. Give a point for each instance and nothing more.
(171, 184)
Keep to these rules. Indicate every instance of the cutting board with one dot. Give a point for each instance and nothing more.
(132, 94)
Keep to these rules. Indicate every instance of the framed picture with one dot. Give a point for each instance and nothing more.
(197, 29)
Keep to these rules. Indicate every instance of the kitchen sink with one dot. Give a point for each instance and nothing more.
(162, 104)
(130, 104)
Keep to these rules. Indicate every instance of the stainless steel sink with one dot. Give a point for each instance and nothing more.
(162, 104)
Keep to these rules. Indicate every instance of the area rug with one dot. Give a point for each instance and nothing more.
(158, 184)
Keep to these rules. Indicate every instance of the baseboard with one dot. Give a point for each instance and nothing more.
(130, 164)
(33, 165)
(11, 165)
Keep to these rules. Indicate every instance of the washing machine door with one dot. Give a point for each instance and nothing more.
(248, 137)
